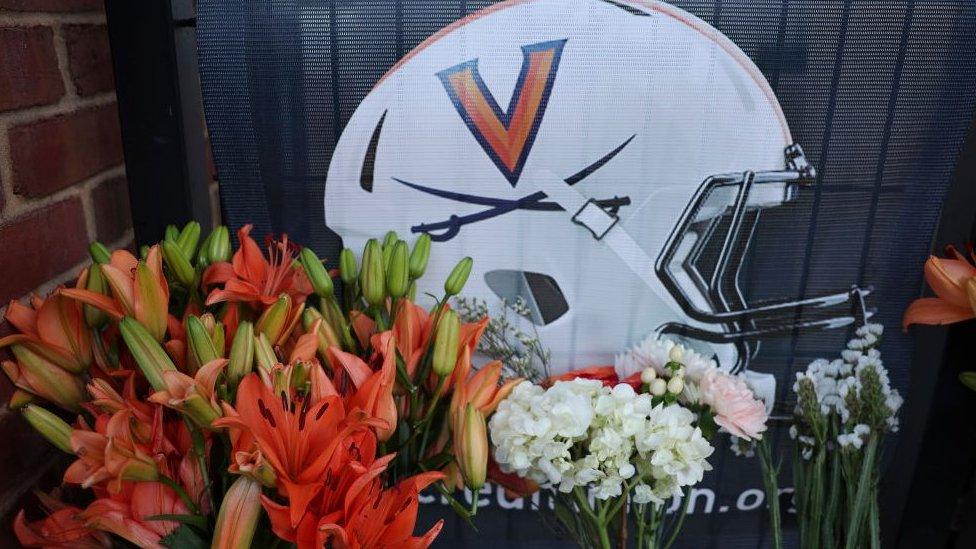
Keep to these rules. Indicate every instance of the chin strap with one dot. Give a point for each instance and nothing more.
(602, 224)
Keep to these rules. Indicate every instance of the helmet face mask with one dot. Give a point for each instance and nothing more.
(592, 197)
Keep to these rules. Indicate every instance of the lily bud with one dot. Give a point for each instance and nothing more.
(326, 335)
(50, 426)
(99, 253)
(459, 277)
(201, 346)
(419, 256)
(95, 282)
(317, 275)
(264, 354)
(241, 354)
(189, 238)
(20, 398)
(150, 303)
(239, 514)
(412, 291)
(397, 271)
(446, 343)
(273, 319)
(171, 233)
(471, 447)
(34, 373)
(178, 263)
(202, 257)
(149, 355)
(371, 278)
(348, 270)
(219, 245)
(389, 239)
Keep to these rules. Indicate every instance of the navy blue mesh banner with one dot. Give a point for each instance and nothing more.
(879, 94)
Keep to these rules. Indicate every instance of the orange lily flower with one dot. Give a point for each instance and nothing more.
(296, 436)
(53, 328)
(952, 280)
(139, 289)
(374, 390)
(250, 278)
(193, 396)
(354, 512)
(61, 529)
(481, 389)
(127, 514)
(110, 454)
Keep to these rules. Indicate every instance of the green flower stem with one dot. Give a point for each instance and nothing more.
(200, 451)
(863, 495)
(681, 519)
(596, 521)
(187, 500)
(770, 473)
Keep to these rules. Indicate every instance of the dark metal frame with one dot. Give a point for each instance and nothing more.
(161, 113)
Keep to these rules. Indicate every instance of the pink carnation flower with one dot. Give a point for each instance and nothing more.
(736, 409)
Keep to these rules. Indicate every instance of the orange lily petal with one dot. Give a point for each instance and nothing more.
(22, 317)
(97, 300)
(933, 310)
(948, 277)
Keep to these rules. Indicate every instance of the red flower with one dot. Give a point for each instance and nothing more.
(250, 278)
(63, 528)
(954, 282)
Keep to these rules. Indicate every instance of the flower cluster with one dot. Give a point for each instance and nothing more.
(854, 389)
(198, 380)
(704, 387)
(581, 433)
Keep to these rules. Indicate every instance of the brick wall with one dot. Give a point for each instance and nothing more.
(62, 181)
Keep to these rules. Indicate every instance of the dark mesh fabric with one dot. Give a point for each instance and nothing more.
(878, 93)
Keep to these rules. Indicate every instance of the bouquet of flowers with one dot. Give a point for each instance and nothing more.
(844, 409)
(615, 443)
(237, 398)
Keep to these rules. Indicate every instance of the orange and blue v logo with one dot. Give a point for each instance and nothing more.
(506, 136)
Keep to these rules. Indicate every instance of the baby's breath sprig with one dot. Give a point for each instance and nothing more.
(521, 354)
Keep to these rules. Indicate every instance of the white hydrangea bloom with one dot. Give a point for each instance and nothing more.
(614, 435)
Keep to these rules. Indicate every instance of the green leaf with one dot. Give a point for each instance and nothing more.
(184, 537)
(968, 379)
(192, 520)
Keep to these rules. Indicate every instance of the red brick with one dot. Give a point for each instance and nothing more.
(29, 72)
(112, 209)
(54, 153)
(39, 245)
(52, 5)
(89, 58)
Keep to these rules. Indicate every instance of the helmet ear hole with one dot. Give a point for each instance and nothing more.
(540, 292)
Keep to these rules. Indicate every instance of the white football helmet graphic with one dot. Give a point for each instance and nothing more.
(606, 160)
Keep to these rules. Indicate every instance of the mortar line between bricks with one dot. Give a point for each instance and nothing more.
(64, 64)
(23, 206)
(18, 19)
(70, 274)
(65, 105)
